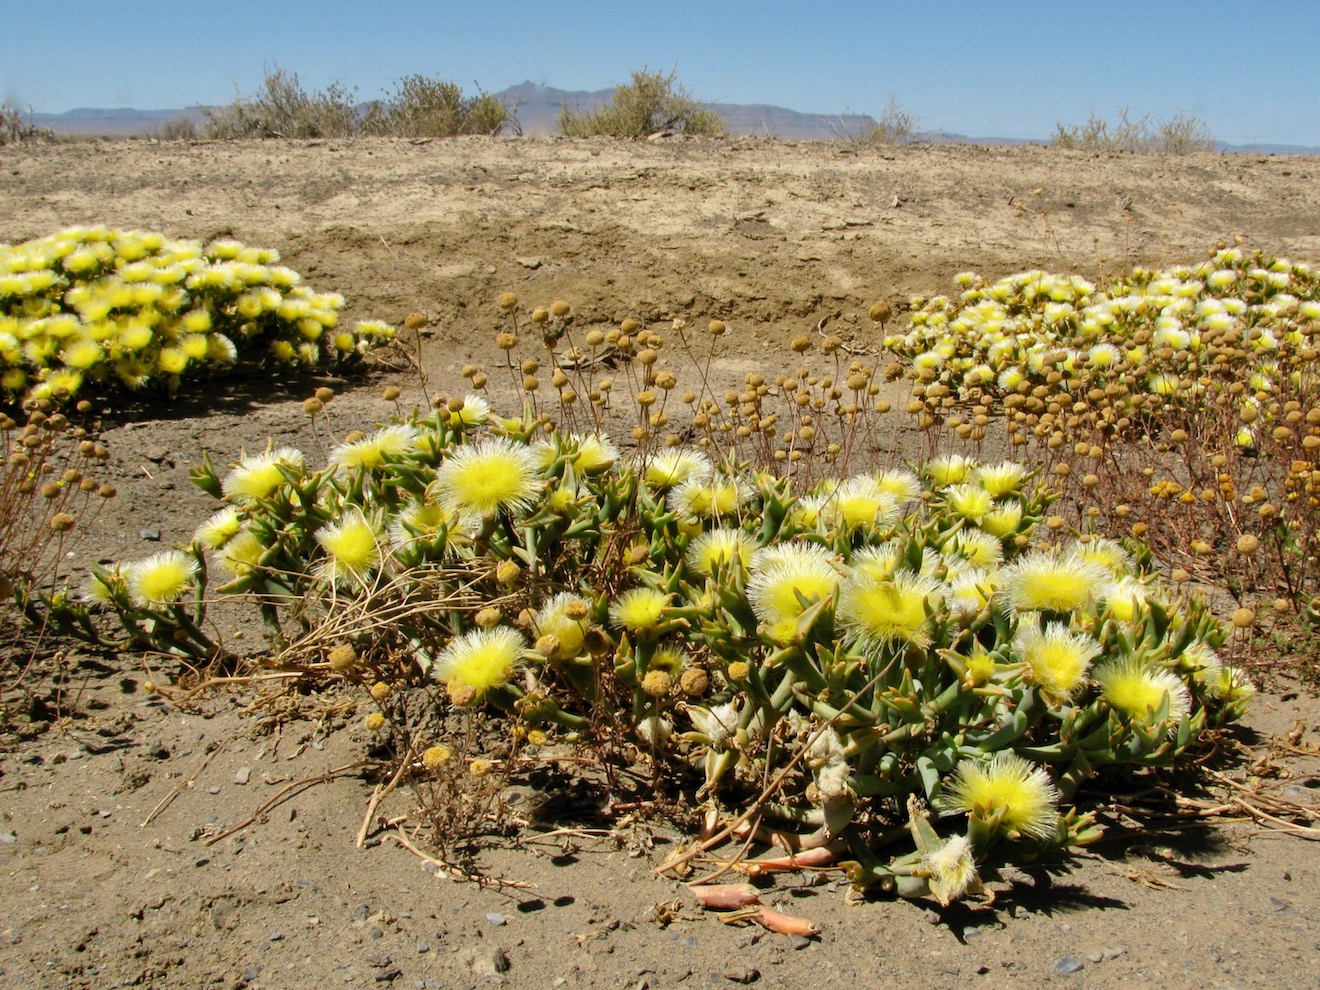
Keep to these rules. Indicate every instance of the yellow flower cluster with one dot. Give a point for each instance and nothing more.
(899, 632)
(90, 307)
(1068, 355)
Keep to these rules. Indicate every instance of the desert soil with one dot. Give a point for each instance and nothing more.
(109, 795)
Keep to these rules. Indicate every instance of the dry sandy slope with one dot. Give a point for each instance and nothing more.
(772, 238)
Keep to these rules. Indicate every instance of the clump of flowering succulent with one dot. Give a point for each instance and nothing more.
(900, 649)
(92, 307)
(1179, 405)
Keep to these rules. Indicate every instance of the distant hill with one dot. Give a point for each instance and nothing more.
(537, 110)
(118, 122)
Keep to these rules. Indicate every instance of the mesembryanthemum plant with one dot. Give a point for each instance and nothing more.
(1181, 405)
(898, 650)
(89, 307)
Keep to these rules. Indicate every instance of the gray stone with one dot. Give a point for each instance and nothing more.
(1067, 965)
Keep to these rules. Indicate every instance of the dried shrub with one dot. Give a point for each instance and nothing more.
(652, 103)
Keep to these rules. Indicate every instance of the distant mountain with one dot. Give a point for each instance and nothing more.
(119, 122)
(537, 111)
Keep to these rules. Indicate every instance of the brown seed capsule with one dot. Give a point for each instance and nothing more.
(559, 308)
(508, 300)
(716, 328)
(880, 312)
(325, 394)
(391, 393)
(414, 321)
(694, 682)
(313, 406)
(62, 522)
(380, 691)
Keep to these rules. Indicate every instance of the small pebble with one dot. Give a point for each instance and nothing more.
(748, 975)
(275, 937)
(8, 837)
(151, 535)
(243, 775)
(495, 918)
(1279, 905)
(1067, 965)
(201, 860)
(213, 790)
(798, 942)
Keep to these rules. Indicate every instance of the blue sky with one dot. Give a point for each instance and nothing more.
(1010, 68)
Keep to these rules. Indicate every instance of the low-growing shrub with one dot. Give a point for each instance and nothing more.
(92, 308)
(418, 107)
(178, 129)
(1181, 406)
(901, 649)
(49, 495)
(282, 108)
(424, 107)
(652, 103)
(897, 125)
(1179, 135)
(16, 126)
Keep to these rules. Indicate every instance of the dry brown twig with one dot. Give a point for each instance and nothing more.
(380, 794)
(396, 833)
(284, 792)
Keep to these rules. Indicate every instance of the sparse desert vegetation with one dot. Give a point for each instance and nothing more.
(653, 102)
(419, 106)
(685, 510)
(1180, 134)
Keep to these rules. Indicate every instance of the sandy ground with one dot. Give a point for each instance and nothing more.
(777, 239)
